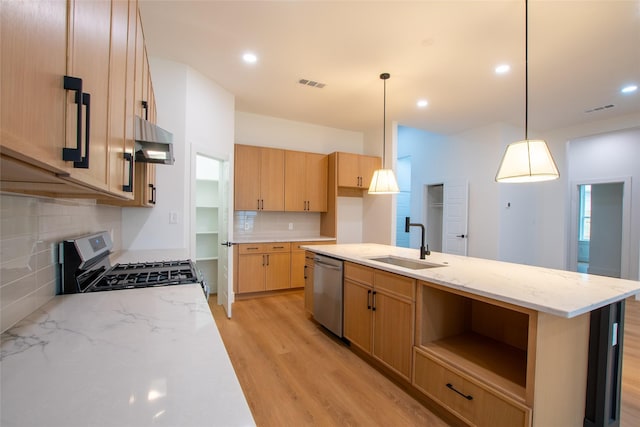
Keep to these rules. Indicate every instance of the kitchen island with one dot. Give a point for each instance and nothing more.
(135, 357)
(494, 343)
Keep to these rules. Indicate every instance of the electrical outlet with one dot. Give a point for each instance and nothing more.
(173, 217)
(290, 226)
(247, 226)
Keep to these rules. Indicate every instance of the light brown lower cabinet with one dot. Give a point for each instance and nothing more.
(308, 282)
(264, 267)
(379, 312)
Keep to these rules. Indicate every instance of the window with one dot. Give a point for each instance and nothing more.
(584, 232)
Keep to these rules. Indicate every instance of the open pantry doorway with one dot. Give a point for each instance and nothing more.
(210, 222)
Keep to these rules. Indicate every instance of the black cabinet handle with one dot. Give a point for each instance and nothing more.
(462, 235)
(84, 161)
(373, 299)
(128, 157)
(145, 106)
(305, 272)
(369, 299)
(153, 194)
(466, 396)
(74, 154)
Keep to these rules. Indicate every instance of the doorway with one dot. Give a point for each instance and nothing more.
(600, 230)
(210, 222)
(446, 216)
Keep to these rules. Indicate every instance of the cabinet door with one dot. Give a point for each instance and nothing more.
(88, 59)
(393, 332)
(297, 269)
(121, 78)
(295, 179)
(251, 273)
(348, 170)
(247, 178)
(278, 271)
(317, 170)
(33, 63)
(271, 179)
(368, 165)
(357, 314)
(308, 284)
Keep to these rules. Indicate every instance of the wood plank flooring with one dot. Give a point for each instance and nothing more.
(295, 374)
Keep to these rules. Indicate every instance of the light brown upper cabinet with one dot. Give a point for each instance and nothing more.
(355, 170)
(259, 178)
(305, 182)
(66, 82)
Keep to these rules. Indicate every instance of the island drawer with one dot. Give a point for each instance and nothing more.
(395, 284)
(465, 397)
(358, 273)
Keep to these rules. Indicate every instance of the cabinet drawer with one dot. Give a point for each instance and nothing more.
(466, 399)
(358, 272)
(251, 248)
(260, 248)
(277, 247)
(395, 284)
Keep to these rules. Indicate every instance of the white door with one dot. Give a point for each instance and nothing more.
(454, 217)
(225, 256)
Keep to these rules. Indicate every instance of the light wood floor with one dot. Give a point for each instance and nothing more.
(295, 374)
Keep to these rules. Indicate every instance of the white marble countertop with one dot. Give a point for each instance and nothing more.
(277, 238)
(558, 292)
(136, 357)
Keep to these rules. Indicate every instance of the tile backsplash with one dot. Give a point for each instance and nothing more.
(282, 224)
(30, 228)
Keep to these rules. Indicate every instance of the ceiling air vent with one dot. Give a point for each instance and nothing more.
(603, 107)
(311, 83)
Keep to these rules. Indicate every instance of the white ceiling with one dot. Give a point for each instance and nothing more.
(581, 53)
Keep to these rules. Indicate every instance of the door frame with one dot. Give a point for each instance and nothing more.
(572, 253)
(208, 151)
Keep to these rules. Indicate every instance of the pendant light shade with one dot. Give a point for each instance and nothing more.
(384, 180)
(527, 160)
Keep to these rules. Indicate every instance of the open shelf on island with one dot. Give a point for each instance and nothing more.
(489, 342)
(500, 365)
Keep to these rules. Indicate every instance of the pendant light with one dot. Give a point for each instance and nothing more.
(384, 180)
(527, 160)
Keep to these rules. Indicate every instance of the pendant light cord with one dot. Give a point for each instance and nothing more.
(384, 77)
(526, 70)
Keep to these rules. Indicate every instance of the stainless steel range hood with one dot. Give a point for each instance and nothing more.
(153, 144)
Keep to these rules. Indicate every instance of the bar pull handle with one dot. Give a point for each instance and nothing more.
(258, 204)
(84, 161)
(466, 396)
(145, 107)
(305, 272)
(128, 157)
(153, 194)
(267, 260)
(373, 299)
(369, 299)
(74, 154)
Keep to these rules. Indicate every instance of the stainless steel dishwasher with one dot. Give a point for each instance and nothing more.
(327, 293)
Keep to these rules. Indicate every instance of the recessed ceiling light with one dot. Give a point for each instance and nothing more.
(422, 103)
(502, 68)
(250, 58)
(629, 89)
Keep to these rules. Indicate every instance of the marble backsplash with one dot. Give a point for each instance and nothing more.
(30, 228)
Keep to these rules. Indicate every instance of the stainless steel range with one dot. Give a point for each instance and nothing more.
(85, 267)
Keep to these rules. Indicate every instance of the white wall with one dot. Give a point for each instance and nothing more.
(534, 230)
(197, 111)
(609, 157)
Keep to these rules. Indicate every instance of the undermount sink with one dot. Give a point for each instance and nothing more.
(405, 262)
